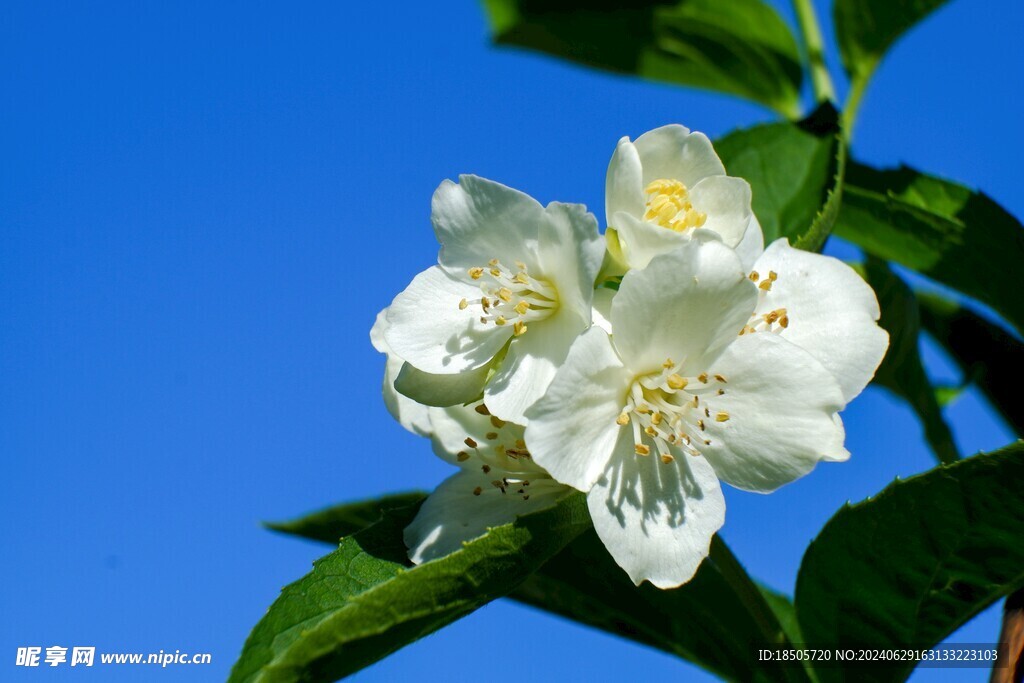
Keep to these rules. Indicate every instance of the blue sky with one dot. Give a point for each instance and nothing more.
(203, 206)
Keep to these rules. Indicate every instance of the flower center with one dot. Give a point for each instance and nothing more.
(511, 298)
(504, 456)
(668, 205)
(669, 411)
(773, 321)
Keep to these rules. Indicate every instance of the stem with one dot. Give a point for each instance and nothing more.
(820, 78)
(852, 107)
(1009, 668)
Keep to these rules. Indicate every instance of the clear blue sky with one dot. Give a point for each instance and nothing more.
(202, 207)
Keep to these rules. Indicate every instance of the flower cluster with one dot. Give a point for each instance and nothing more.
(642, 368)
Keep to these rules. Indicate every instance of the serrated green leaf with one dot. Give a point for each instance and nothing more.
(362, 601)
(330, 524)
(902, 371)
(584, 584)
(957, 237)
(984, 351)
(865, 29)
(793, 170)
(908, 567)
(741, 47)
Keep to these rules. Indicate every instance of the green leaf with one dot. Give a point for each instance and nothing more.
(902, 371)
(330, 524)
(865, 29)
(983, 350)
(362, 601)
(717, 620)
(792, 169)
(959, 238)
(741, 47)
(583, 583)
(908, 567)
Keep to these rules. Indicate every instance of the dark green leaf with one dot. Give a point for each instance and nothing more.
(984, 351)
(741, 47)
(330, 524)
(362, 602)
(957, 237)
(717, 620)
(792, 169)
(866, 28)
(583, 583)
(908, 567)
(902, 372)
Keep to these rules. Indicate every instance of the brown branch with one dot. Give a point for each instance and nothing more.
(1009, 667)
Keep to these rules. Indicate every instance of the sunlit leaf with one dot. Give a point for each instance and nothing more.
(741, 47)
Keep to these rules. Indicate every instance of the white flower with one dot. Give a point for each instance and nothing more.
(684, 393)
(668, 187)
(497, 481)
(513, 286)
(410, 414)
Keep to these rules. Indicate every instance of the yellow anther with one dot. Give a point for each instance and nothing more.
(520, 278)
(469, 442)
(462, 456)
(657, 418)
(520, 265)
(674, 381)
(722, 417)
(666, 458)
(766, 285)
(622, 420)
(493, 262)
(784, 322)
(754, 277)
(500, 320)
(505, 294)
(720, 379)
(491, 436)
(485, 302)
(476, 273)
(650, 431)
(668, 363)
(482, 409)
(519, 328)
(520, 443)
(486, 468)
(477, 491)
(700, 425)
(641, 449)
(643, 409)
(495, 272)
(463, 305)
(703, 378)
(772, 275)
(522, 308)
(497, 421)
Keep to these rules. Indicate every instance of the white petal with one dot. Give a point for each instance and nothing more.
(453, 514)
(780, 407)
(530, 365)
(726, 203)
(410, 414)
(441, 390)
(457, 428)
(751, 246)
(832, 313)
(683, 304)
(477, 220)
(640, 241)
(624, 188)
(570, 256)
(674, 153)
(656, 519)
(572, 429)
(427, 329)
